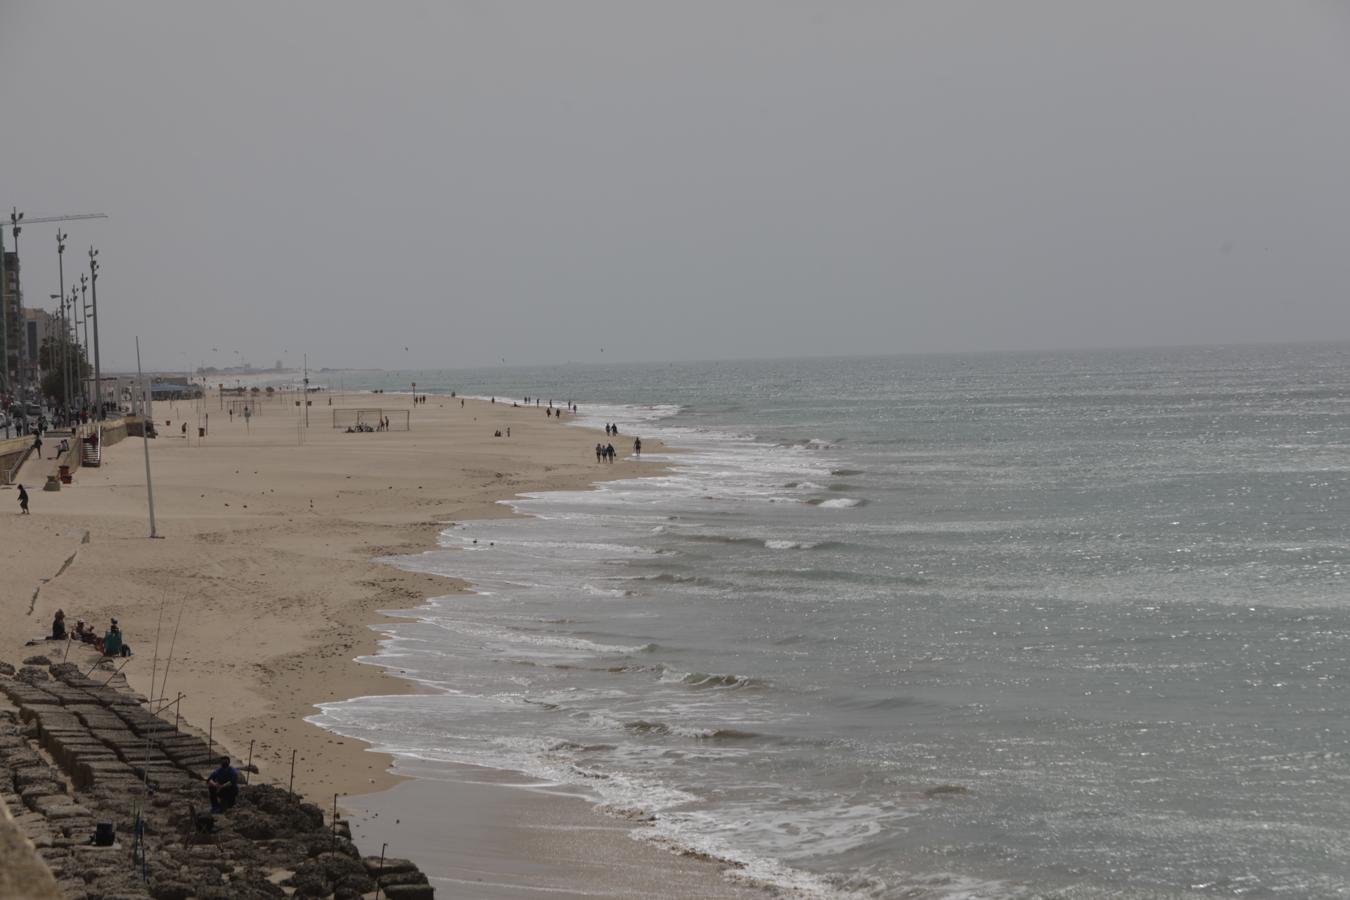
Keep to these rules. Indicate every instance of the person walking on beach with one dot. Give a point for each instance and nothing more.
(23, 500)
(637, 446)
(599, 452)
(609, 452)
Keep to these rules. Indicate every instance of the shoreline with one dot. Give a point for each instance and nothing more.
(584, 843)
(273, 540)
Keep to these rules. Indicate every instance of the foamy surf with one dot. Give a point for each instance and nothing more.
(979, 595)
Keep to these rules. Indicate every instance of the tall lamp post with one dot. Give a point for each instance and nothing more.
(84, 315)
(65, 331)
(72, 348)
(93, 287)
(55, 356)
(77, 359)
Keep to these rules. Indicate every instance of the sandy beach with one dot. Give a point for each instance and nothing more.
(269, 539)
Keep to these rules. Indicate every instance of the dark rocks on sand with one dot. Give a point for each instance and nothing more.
(327, 873)
(38, 660)
(396, 878)
(6, 668)
(253, 824)
(170, 890)
(32, 675)
(375, 867)
(354, 886)
(64, 670)
(309, 884)
(273, 801)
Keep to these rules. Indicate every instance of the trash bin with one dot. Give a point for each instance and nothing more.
(201, 432)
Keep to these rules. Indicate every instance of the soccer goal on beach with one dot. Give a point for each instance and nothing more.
(362, 419)
(237, 407)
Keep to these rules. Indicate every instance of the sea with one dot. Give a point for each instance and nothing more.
(1063, 625)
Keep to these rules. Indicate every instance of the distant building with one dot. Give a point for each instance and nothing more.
(9, 292)
(169, 388)
(38, 324)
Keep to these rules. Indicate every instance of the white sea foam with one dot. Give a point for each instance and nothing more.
(839, 503)
(788, 545)
(519, 638)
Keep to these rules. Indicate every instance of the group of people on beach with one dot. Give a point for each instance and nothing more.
(606, 452)
(569, 405)
(222, 785)
(111, 644)
(381, 424)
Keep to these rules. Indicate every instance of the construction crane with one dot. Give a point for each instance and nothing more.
(17, 218)
(17, 221)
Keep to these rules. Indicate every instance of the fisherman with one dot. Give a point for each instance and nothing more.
(223, 786)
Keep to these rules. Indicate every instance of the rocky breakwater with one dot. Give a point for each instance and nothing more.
(77, 753)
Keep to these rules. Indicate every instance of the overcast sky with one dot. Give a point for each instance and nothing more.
(537, 181)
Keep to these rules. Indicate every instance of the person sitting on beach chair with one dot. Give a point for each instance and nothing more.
(223, 786)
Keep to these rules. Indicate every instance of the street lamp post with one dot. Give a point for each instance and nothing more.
(65, 330)
(66, 312)
(72, 347)
(93, 287)
(53, 348)
(84, 315)
(81, 348)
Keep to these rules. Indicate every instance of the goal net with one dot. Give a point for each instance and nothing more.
(370, 419)
(238, 406)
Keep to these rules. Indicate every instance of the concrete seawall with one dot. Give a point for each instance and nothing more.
(77, 751)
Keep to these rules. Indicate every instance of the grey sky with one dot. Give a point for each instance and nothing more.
(536, 181)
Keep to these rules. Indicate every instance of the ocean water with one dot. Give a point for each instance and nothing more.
(1038, 625)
